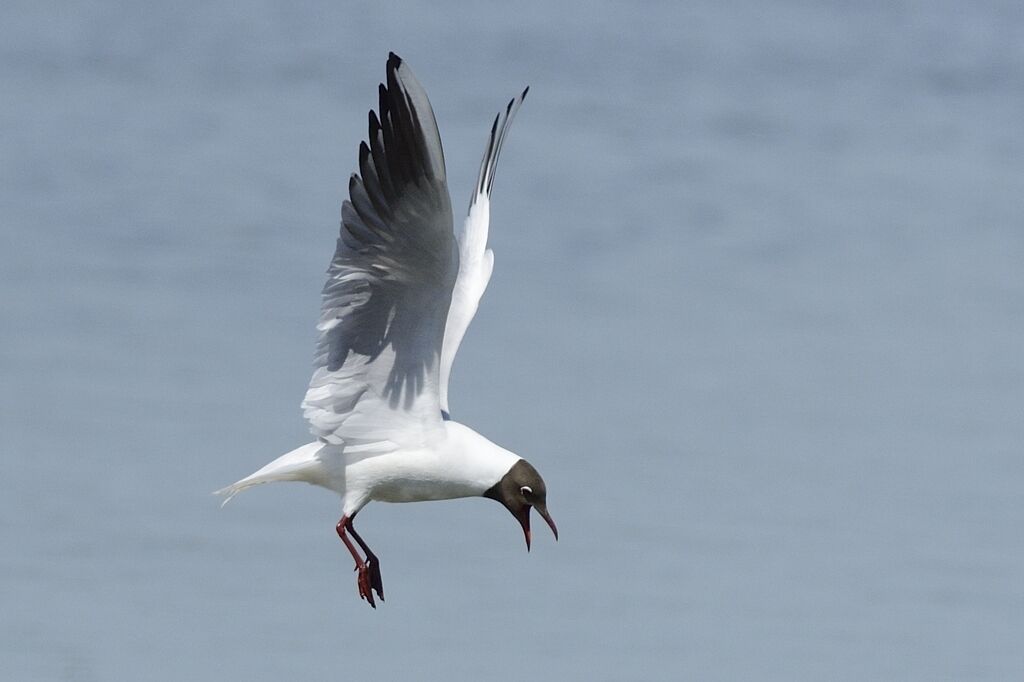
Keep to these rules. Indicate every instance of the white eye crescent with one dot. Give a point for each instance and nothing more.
(526, 490)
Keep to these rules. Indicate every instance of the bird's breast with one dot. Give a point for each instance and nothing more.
(412, 477)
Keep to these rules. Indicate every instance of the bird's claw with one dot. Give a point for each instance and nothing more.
(373, 567)
(369, 581)
(363, 581)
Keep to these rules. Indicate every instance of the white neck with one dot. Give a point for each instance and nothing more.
(478, 462)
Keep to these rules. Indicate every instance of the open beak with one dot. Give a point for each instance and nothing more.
(543, 511)
(524, 520)
(523, 516)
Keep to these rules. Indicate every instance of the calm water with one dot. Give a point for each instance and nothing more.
(757, 315)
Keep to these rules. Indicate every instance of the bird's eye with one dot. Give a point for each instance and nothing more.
(526, 490)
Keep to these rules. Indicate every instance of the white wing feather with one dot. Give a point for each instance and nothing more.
(476, 261)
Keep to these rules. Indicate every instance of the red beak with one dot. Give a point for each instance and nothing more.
(543, 511)
(524, 520)
(523, 516)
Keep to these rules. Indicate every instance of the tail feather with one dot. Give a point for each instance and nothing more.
(301, 464)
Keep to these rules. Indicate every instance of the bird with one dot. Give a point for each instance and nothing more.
(402, 288)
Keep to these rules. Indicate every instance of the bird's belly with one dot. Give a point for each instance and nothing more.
(409, 479)
(417, 490)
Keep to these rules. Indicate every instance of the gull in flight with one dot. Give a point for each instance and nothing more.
(401, 290)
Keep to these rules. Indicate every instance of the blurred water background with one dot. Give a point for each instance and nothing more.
(757, 316)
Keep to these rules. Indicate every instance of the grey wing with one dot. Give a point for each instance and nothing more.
(389, 285)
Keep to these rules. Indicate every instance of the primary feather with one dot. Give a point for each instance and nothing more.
(390, 282)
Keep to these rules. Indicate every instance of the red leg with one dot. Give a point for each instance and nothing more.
(372, 563)
(363, 581)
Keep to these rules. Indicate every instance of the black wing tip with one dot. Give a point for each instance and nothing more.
(394, 61)
(523, 96)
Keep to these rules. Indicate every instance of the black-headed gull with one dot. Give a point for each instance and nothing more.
(401, 290)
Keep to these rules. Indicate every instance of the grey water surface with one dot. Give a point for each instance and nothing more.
(757, 316)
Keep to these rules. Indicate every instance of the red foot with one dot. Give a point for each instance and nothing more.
(363, 581)
(373, 567)
(368, 581)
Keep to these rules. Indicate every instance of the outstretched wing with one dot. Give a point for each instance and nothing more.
(476, 261)
(390, 282)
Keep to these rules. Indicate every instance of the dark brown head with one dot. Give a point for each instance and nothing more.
(519, 490)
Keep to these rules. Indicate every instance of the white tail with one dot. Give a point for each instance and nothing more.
(301, 464)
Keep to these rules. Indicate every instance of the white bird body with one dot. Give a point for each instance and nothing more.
(401, 291)
(459, 463)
